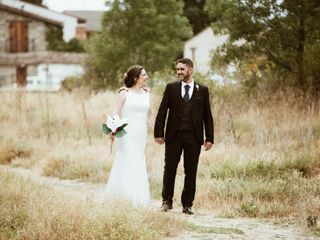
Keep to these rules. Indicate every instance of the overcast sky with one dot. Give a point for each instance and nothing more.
(62, 5)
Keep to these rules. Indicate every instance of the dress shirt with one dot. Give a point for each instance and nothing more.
(190, 89)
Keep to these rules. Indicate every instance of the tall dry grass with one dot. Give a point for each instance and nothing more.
(265, 162)
(30, 210)
(35, 211)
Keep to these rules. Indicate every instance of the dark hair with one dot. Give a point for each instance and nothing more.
(132, 73)
(186, 61)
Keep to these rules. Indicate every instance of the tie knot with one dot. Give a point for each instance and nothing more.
(187, 87)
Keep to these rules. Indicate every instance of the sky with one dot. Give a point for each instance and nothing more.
(62, 5)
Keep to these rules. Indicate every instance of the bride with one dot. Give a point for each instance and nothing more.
(128, 176)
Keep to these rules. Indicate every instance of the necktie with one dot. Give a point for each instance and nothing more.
(186, 96)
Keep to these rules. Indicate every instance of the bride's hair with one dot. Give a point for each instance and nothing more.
(131, 75)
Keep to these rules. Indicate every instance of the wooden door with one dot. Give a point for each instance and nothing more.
(18, 36)
(21, 73)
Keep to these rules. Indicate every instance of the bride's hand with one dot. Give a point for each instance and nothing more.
(159, 140)
(122, 88)
(112, 136)
(146, 89)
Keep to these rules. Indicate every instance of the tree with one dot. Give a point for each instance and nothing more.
(194, 11)
(35, 2)
(54, 37)
(145, 32)
(281, 39)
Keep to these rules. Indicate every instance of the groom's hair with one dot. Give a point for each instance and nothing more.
(186, 61)
(132, 73)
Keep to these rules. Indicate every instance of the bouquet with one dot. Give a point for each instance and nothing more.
(114, 126)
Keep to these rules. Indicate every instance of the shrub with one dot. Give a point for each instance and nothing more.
(72, 82)
(10, 150)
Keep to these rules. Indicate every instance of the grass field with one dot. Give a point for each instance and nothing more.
(265, 161)
(34, 211)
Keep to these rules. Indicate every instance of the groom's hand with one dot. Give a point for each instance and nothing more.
(159, 140)
(207, 146)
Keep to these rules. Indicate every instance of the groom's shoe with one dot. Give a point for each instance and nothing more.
(166, 207)
(187, 210)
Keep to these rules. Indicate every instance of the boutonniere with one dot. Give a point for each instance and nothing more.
(197, 87)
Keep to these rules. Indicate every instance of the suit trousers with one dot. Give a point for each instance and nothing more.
(186, 142)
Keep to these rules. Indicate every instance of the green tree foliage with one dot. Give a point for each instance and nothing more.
(54, 37)
(282, 40)
(35, 2)
(145, 32)
(194, 11)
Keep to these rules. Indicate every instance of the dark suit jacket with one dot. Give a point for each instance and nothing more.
(201, 112)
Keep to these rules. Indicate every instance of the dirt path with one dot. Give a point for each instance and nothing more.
(213, 227)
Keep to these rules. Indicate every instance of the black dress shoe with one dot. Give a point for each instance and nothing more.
(166, 207)
(187, 210)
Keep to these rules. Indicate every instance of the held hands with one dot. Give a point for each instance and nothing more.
(159, 140)
(207, 146)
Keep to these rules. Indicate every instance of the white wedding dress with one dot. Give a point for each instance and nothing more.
(128, 176)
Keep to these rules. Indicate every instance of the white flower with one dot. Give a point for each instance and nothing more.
(114, 122)
(197, 87)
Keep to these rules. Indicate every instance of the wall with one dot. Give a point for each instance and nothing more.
(36, 32)
(200, 47)
(37, 36)
(7, 75)
(49, 76)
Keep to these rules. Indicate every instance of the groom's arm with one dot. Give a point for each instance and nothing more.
(162, 115)
(208, 119)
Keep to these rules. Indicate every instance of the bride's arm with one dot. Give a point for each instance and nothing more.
(151, 118)
(117, 109)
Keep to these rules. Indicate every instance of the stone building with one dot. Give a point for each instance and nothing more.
(24, 59)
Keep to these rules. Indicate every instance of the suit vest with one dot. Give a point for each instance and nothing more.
(186, 115)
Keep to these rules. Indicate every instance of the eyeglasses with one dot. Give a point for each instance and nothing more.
(181, 69)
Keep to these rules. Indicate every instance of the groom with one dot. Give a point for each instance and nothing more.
(189, 114)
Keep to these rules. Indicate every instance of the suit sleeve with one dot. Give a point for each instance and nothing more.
(162, 115)
(208, 119)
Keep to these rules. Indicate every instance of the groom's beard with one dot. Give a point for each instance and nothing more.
(183, 77)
